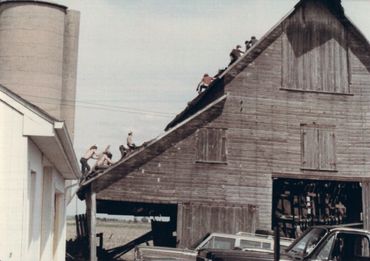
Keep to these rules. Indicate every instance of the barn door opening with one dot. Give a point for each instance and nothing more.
(163, 219)
(299, 204)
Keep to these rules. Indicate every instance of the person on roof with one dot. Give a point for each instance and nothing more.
(235, 54)
(124, 150)
(249, 44)
(130, 142)
(204, 83)
(90, 154)
(104, 161)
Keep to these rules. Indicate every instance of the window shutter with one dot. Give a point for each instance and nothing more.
(202, 145)
(211, 145)
(327, 149)
(310, 148)
(318, 147)
(315, 62)
(223, 146)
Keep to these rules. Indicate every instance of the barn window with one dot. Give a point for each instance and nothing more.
(315, 55)
(211, 145)
(318, 147)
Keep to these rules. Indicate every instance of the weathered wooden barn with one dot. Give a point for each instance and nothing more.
(280, 137)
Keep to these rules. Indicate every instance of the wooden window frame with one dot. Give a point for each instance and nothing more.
(202, 144)
(321, 131)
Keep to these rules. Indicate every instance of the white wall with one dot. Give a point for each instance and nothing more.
(13, 170)
(53, 233)
(34, 210)
(30, 230)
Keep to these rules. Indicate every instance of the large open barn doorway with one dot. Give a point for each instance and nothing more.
(298, 204)
(163, 218)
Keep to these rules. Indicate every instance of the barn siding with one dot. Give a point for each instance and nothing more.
(263, 139)
(204, 218)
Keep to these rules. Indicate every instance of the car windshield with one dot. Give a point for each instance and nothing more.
(197, 243)
(307, 243)
(220, 242)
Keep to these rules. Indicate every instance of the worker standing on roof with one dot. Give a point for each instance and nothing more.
(235, 54)
(249, 44)
(130, 142)
(204, 83)
(91, 153)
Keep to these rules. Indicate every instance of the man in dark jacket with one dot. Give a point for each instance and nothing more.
(235, 54)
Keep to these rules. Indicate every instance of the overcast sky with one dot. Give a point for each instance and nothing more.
(140, 61)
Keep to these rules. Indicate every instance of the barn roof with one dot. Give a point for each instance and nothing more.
(214, 95)
(154, 147)
(232, 71)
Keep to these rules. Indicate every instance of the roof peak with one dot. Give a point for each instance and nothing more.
(333, 5)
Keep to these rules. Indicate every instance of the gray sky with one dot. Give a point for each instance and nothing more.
(140, 61)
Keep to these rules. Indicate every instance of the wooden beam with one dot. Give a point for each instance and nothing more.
(91, 221)
(179, 225)
(365, 204)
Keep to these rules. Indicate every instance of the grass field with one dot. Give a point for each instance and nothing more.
(115, 232)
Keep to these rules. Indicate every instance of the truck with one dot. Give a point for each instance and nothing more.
(224, 241)
(320, 243)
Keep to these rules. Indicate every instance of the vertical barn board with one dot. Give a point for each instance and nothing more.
(314, 58)
(327, 149)
(221, 219)
(229, 219)
(186, 225)
(309, 147)
(202, 144)
(366, 204)
(214, 218)
(196, 222)
(238, 219)
(212, 144)
(203, 221)
(179, 225)
(223, 146)
(203, 218)
(285, 73)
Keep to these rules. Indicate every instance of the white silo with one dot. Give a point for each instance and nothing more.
(38, 55)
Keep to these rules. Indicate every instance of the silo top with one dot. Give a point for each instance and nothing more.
(33, 2)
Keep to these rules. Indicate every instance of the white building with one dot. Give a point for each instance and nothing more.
(36, 161)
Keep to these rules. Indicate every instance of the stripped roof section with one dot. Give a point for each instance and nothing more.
(154, 147)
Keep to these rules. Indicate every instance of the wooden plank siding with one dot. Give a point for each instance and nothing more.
(263, 132)
(204, 218)
(315, 52)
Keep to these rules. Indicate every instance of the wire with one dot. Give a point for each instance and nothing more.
(85, 104)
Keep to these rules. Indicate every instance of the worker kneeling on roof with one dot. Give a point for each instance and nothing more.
(204, 83)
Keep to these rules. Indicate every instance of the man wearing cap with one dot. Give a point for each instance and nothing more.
(130, 142)
(235, 54)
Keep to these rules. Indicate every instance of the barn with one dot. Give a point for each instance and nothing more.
(280, 137)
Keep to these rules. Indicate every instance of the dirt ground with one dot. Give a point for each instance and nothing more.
(115, 233)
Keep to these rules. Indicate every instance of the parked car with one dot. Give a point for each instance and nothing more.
(240, 240)
(316, 244)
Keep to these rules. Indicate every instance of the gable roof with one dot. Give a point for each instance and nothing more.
(154, 147)
(334, 6)
(215, 93)
(50, 135)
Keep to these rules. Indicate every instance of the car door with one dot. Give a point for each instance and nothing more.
(343, 246)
